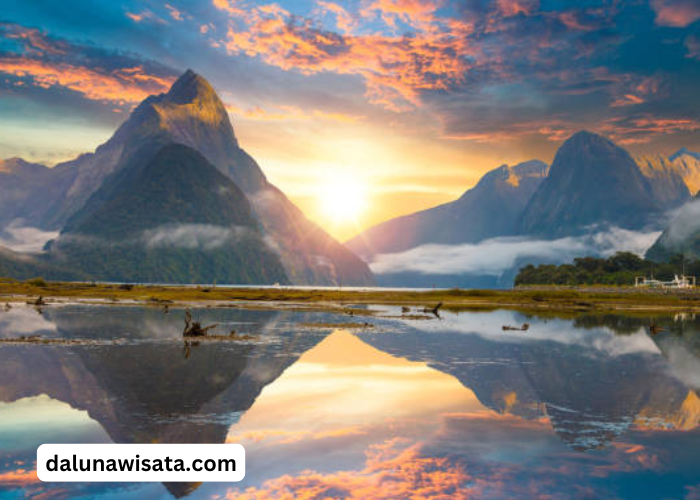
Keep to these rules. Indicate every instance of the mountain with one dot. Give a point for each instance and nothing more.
(687, 164)
(168, 217)
(491, 208)
(669, 182)
(148, 389)
(591, 181)
(684, 152)
(589, 394)
(192, 114)
(28, 190)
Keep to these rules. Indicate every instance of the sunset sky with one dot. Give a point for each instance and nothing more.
(411, 100)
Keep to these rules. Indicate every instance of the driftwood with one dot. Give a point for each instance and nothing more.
(38, 302)
(195, 328)
(433, 310)
(523, 328)
(235, 336)
(655, 329)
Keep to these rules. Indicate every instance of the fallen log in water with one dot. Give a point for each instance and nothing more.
(523, 328)
(194, 328)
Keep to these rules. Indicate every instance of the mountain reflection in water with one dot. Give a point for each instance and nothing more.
(596, 406)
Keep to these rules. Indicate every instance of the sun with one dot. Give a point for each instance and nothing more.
(342, 199)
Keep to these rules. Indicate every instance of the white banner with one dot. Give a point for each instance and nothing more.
(140, 462)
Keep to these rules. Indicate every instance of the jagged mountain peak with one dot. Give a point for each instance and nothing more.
(513, 175)
(683, 152)
(191, 111)
(190, 87)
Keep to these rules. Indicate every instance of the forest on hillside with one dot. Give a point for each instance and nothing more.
(618, 269)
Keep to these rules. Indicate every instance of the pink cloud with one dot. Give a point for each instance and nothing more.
(511, 8)
(676, 13)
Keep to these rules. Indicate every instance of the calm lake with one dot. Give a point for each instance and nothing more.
(448, 408)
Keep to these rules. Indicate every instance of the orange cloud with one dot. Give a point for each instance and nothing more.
(126, 85)
(174, 12)
(145, 15)
(344, 20)
(34, 40)
(18, 477)
(626, 100)
(289, 437)
(137, 18)
(395, 68)
(229, 6)
(390, 472)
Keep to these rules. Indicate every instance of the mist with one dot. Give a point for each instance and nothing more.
(685, 223)
(194, 236)
(22, 238)
(495, 256)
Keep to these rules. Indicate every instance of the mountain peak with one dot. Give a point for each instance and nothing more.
(190, 87)
(587, 138)
(591, 181)
(16, 164)
(683, 152)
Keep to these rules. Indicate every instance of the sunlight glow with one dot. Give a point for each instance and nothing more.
(342, 199)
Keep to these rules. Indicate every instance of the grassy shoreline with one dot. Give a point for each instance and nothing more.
(539, 298)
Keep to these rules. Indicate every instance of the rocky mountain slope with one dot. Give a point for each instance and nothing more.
(592, 181)
(192, 114)
(168, 217)
(491, 208)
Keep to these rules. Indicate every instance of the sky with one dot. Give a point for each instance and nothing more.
(411, 100)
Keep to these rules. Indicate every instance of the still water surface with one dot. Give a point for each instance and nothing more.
(592, 407)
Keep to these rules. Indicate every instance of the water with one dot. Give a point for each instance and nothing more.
(591, 407)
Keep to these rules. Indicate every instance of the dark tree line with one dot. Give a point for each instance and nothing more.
(618, 269)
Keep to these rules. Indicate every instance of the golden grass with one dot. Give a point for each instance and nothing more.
(540, 299)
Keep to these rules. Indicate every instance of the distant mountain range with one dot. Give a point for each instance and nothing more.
(491, 208)
(592, 185)
(136, 183)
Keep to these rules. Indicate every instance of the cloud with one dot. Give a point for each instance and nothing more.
(395, 68)
(685, 223)
(21, 238)
(692, 44)
(489, 325)
(18, 478)
(511, 8)
(194, 236)
(495, 256)
(392, 470)
(46, 62)
(676, 13)
(21, 320)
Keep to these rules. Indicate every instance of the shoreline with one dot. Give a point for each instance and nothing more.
(532, 298)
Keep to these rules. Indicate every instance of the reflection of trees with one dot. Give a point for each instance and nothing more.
(679, 324)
